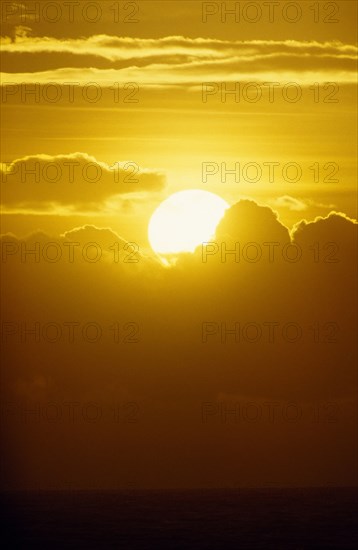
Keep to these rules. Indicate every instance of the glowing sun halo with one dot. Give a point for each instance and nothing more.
(185, 220)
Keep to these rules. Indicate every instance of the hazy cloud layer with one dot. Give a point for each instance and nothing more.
(172, 60)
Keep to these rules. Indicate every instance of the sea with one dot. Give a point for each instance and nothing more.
(270, 518)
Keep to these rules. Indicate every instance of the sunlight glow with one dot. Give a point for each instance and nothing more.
(185, 220)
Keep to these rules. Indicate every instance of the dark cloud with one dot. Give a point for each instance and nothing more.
(185, 59)
(76, 181)
(185, 354)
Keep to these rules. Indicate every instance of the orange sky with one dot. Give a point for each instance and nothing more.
(101, 121)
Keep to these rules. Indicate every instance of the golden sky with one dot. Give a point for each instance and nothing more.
(108, 108)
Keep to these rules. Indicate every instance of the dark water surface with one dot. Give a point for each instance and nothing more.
(201, 519)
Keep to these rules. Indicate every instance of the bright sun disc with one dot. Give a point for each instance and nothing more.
(185, 220)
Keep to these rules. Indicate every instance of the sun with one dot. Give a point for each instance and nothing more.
(184, 221)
